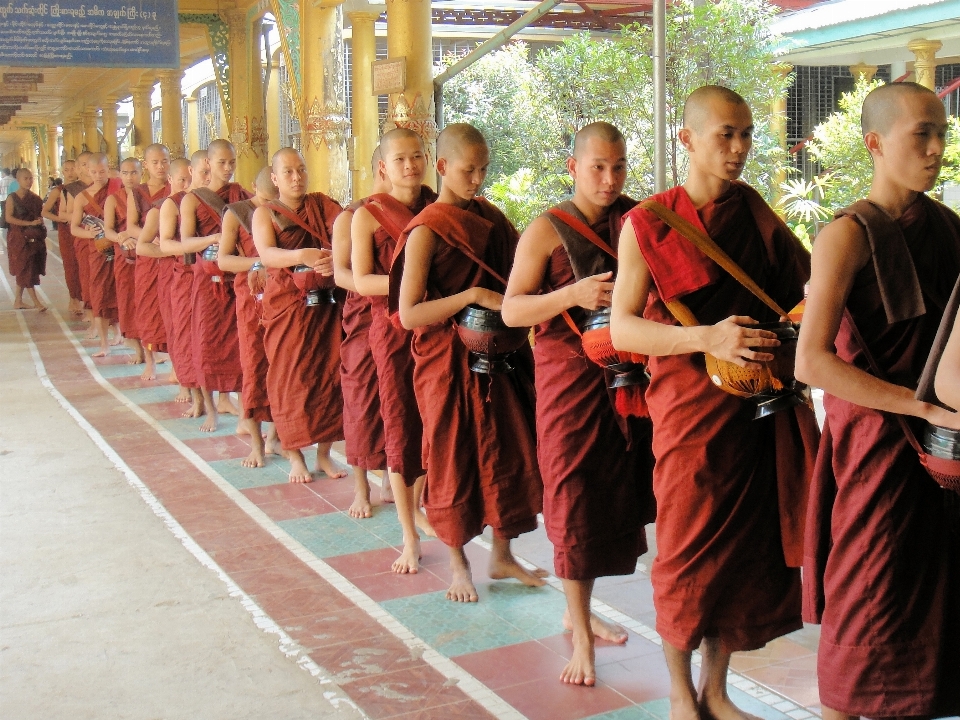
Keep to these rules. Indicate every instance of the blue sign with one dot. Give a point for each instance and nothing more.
(105, 33)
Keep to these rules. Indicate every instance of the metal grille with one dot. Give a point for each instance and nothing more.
(208, 114)
(155, 120)
(945, 76)
(185, 124)
(289, 123)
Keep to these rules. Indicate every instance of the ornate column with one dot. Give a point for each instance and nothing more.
(364, 115)
(171, 112)
(69, 139)
(925, 64)
(193, 126)
(324, 122)
(91, 138)
(862, 70)
(248, 131)
(53, 157)
(274, 98)
(108, 115)
(142, 120)
(409, 35)
(778, 120)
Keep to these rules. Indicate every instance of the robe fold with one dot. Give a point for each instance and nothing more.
(124, 275)
(730, 490)
(175, 290)
(81, 246)
(253, 357)
(479, 430)
(102, 286)
(882, 566)
(150, 320)
(390, 343)
(71, 270)
(216, 344)
(27, 246)
(303, 342)
(597, 468)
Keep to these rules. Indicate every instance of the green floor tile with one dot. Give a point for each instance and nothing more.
(536, 611)
(752, 706)
(273, 473)
(142, 396)
(659, 709)
(189, 428)
(634, 712)
(332, 534)
(122, 370)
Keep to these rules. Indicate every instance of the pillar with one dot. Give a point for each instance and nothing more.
(43, 162)
(171, 112)
(76, 131)
(248, 128)
(862, 70)
(53, 156)
(409, 35)
(323, 120)
(142, 121)
(364, 116)
(778, 121)
(193, 125)
(925, 64)
(108, 117)
(91, 138)
(274, 98)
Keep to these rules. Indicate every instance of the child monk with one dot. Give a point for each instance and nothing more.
(301, 333)
(237, 255)
(726, 577)
(882, 567)
(362, 425)
(125, 257)
(375, 231)
(596, 464)
(479, 436)
(55, 210)
(26, 240)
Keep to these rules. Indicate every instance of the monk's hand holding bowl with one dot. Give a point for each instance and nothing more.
(942, 417)
(486, 298)
(735, 341)
(592, 293)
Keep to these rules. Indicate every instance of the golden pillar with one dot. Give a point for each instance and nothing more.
(248, 128)
(409, 35)
(43, 160)
(171, 112)
(925, 64)
(864, 71)
(142, 120)
(778, 122)
(364, 115)
(76, 139)
(108, 116)
(193, 125)
(323, 121)
(91, 138)
(274, 98)
(52, 156)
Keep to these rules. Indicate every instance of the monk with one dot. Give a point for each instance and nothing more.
(596, 464)
(237, 255)
(178, 276)
(55, 210)
(26, 240)
(216, 345)
(882, 566)
(726, 576)
(125, 258)
(86, 224)
(479, 435)
(301, 330)
(362, 424)
(81, 246)
(375, 231)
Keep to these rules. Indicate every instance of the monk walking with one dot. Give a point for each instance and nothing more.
(882, 566)
(479, 433)
(596, 464)
(26, 240)
(375, 232)
(55, 210)
(125, 257)
(81, 246)
(301, 327)
(726, 577)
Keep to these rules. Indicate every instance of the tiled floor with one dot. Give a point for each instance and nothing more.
(395, 645)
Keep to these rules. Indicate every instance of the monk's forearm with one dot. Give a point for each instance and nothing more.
(79, 232)
(646, 337)
(274, 257)
(530, 310)
(235, 263)
(430, 312)
(149, 249)
(372, 284)
(21, 223)
(343, 277)
(199, 244)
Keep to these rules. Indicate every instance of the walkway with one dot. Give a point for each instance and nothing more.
(320, 581)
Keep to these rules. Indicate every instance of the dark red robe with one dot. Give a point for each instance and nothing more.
(124, 274)
(730, 490)
(216, 344)
(479, 430)
(71, 270)
(597, 467)
(27, 246)
(882, 566)
(150, 320)
(102, 286)
(176, 283)
(390, 343)
(81, 247)
(303, 343)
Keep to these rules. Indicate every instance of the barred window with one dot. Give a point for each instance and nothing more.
(208, 113)
(289, 123)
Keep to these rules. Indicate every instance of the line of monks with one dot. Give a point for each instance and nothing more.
(336, 323)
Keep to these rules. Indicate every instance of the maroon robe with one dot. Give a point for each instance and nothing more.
(730, 490)
(71, 270)
(303, 343)
(81, 247)
(176, 282)
(150, 320)
(27, 246)
(390, 343)
(597, 467)
(882, 566)
(101, 284)
(216, 344)
(124, 274)
(479, 430)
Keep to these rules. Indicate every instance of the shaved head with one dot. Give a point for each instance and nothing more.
(130, 161)
(884, 105)
(375, 160)
(84, 156)
(69, 162)
(98, 159)
(699, 104)
(264, 183)
(603, 131)
(219, 145)
(155, 148)
(197, 159)
(282, 153)
(180, 164)
(456, 137)
(397, 134)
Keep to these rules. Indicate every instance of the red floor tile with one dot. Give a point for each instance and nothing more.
(128, 382)
(253, 558)
(640, 679)
(303, 602)
(247, 535)
(607, 652)
(214, 519)
(513, 664)
(341, 626)
(361, 660)
(290, 576)
(550, 699)
(224, 447)
(276, 493)
(466, 710)
(796, 679)
(165, 410)
(297, 508)
(398, 693)
(777, 651)
(140, 443)
(362, 564)
(389, 585)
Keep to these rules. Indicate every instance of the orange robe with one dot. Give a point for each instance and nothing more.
(71, 269)
(151, 321)
(81, 248)
(101, 284)
(175, 287)
(124, 274)
(26, 246)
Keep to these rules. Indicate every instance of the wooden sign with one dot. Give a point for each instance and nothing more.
(24, 78)
(389, 76)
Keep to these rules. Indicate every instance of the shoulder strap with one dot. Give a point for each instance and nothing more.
(581, 227)
(468, 251)
(92, 201)
(211, 200)
(295, 219)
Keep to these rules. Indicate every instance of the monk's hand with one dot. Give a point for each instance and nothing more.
(486, 298)
(257, 281)
(593, 292)
(735, 341)
(324, 265)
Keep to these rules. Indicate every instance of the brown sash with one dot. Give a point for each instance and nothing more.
(92, 201)
(292, 217)
(214, 202)
(385, 219)
(583, 229)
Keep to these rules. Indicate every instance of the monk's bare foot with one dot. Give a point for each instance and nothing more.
(149, 372)
(581, 669)
(721, 708)
(386, 492)
(502, 568)
(41, 308)
(242, 428)
(183, 396)
(329, 467)
(609, 631)
(22, 306)
(298, 468)
(225, 405)
(91, 334)
(462, 588)
(195, 410)
(210, 424)
(101, 353)
(117, 337)
(253, 460)
(361, 507)
(137, 358)
(423, 525)
(271, 445)
(409, 561)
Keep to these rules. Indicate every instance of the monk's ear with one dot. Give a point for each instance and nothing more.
(572, 166)
(873, 142)
(685, 136)
(441, 166)
(382, 167)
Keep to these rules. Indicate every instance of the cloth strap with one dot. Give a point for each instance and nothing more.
(581, 227)
(296, 220)
(92, 201)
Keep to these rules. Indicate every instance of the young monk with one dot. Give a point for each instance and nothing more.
(375, 231)
(178, 276)
(216, 345)
(302, 341)
(26, 240)
(882, 567)
(596, 465)
(479, 436)
(237, 255)
(362, 425)
(726, 576)
(86, 224)
(81, 246)
(125, 258)
(55, 210)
